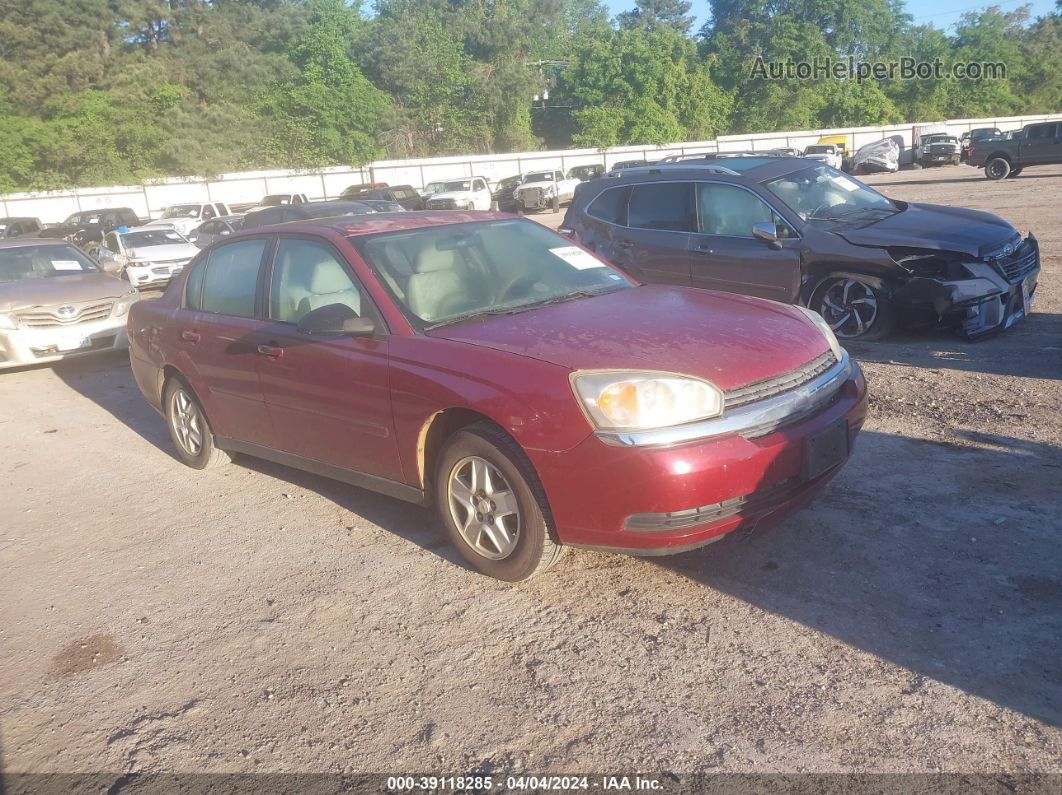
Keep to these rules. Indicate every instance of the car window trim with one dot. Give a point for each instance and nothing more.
(366, 296)
(774, 210)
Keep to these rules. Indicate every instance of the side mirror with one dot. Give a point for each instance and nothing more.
(768, 233)
(336, 320)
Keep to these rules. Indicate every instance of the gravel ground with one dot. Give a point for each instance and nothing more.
(258, 619)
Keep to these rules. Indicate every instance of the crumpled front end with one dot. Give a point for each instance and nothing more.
(978, 295)
(535, 198)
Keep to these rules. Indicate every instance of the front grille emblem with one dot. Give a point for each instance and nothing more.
(66, 312)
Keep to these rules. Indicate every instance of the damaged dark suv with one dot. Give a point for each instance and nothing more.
(799, 231)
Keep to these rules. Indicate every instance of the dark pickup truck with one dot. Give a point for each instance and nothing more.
(1036, 145)
(89, 226)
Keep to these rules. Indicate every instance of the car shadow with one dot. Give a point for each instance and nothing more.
(1030, 349)
(108, 382)
(968, 594)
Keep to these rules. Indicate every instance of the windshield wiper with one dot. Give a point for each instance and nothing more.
(514, 310)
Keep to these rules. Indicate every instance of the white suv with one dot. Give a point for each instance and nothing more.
(186, 217)
(472, 193)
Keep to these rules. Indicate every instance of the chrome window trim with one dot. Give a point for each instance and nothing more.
(754, 419)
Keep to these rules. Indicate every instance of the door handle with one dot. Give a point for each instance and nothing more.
(704, 251)
(626, 244)
(272, 351)
(191, 336)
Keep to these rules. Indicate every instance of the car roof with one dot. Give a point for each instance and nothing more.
(755, 169)
(19, 218)
(372, 223)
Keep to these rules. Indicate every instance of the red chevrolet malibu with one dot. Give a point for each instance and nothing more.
(538, 396)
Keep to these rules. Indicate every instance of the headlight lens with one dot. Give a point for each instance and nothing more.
(639, 400)
(8, 322)
(121, 306)
(824, 327)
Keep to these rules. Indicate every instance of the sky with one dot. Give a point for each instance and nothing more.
(940, 13)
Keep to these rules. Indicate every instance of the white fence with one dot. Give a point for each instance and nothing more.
(150, 198)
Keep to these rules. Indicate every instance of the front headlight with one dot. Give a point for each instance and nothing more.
(121, 306)
(633, 400)
(8, 322)
(824, 327)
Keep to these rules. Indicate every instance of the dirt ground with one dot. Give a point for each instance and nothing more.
(258, 619)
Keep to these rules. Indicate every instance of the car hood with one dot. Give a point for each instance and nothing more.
(728, 339)
(935, 227)
(540, 184)
(819, 156)
(162, 253)
(450, 194)
(73, 288)
(180, 224)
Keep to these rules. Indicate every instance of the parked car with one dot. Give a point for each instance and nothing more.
(539, 190)
(787, 151)
(301, 212)
(584, 173)
(186, 217)
(977, 134)
(470, 193)
(271, 200)
(938, 149)
(220, 227)
(55, 303)
(625, 164)
(828, 154)
(351, 191)
(504, 195)
(801, 232)
(841, 144)
(920, 132)
(1034, 145)
(146, 255)
(404, 195)
(431, 189)
(876, 157)
(539, 397)
(19, 227)
(89, 226)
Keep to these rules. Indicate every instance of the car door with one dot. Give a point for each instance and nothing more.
(654, 244)
(1038, 145)
(724, 254)
(480, 194)
(219, 329)
(328, 397)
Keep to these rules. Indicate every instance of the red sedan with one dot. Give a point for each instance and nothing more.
(540, 397)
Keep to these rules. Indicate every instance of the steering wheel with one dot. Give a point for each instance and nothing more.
(511, 290)
(815, 213)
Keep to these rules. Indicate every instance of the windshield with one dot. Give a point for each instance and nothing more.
(82, 218)
(276, 200)
(539, 176)
(819, 150)
(433, 187)
(823, 193)
(456, 186)
(42, 262)
(162, 237)
(442, 274)
(182, 211)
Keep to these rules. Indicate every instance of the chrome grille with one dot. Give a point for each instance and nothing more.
(50, 316)
(762, 390)
(441, 204)
(1017, 267)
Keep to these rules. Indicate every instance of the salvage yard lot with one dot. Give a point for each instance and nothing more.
(255, 618)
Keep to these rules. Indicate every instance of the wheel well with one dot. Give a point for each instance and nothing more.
(168, 372)
(437, 429)
(1005, 155)
(821, 274)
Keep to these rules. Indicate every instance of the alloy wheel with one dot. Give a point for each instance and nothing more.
(850, 307)
(484, 507)
(187, 422)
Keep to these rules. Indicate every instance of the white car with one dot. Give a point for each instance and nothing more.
(825, 153)
(146, 255)
(186, 217)
(472, 193)
(541, 189)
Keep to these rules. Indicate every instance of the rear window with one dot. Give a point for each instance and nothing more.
(610, 206)
(666, 206)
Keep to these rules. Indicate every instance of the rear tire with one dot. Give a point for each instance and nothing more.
(997, 168)
(189, 428)
(493, 505)
(854, 309)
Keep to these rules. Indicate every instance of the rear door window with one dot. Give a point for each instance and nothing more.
(666, 206)
(610, 206)
(229, 279)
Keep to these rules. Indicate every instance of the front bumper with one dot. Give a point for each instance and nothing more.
(146, 275)
(38, 345)
(660, 500)
(993, 298)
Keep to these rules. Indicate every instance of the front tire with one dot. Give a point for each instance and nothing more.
(997, 168)
(854, 309)
(493, 505)
(189, 429)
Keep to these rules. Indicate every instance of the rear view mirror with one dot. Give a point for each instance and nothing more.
(336, 320)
